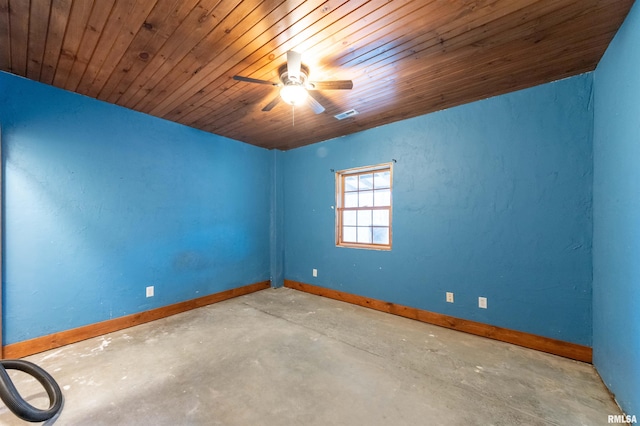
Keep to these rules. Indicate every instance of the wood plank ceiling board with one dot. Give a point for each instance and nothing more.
(19, 32)
(176, 59)
(197, 25)
(113, 43)
(75, 25)
(38, 16)
(58, 18)
(163, 20)
(86, 52)
(5, 36)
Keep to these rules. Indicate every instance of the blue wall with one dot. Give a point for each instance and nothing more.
(101, 202)
(616, 216)
(490, 199)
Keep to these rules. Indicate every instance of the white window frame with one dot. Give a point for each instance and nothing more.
(340, 205)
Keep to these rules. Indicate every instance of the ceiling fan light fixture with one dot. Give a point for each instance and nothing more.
(293, 94)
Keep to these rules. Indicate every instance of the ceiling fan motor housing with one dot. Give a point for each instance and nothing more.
(287, 81)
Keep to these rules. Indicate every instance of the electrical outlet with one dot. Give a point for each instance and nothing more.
(150, 291)
(482, 302)
(449, 297)
(315, 272)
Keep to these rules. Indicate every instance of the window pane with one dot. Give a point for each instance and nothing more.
(366, 199)
(380, 235)
(351, 199)
(364, 207)
(351, 183)
(381, 218)
(349, 234)
(349, 218)
(382, 197)
(364, 217)
(382, 180)
(366, 182)
(364, 234)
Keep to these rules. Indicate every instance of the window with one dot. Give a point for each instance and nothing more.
(363, 213)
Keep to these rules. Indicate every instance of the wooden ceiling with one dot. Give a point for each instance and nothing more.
(175, 59)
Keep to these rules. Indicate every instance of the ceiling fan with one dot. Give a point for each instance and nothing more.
(295, 84)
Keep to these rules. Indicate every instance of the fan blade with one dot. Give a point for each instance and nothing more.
(270, 105)
(254, 80)
(314, 104)
(325, 101)
(331, 85)
(294, 62)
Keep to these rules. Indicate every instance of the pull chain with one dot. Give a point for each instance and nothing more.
(293, 115)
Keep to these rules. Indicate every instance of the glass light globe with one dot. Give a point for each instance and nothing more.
(293, 94)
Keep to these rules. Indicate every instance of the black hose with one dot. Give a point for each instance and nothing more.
(12, 399)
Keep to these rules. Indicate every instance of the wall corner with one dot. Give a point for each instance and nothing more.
(276, 261)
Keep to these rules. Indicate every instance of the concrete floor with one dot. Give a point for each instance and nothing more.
(282, 357)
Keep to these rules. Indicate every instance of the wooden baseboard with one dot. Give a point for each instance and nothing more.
(52, 341)
(527, 340)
